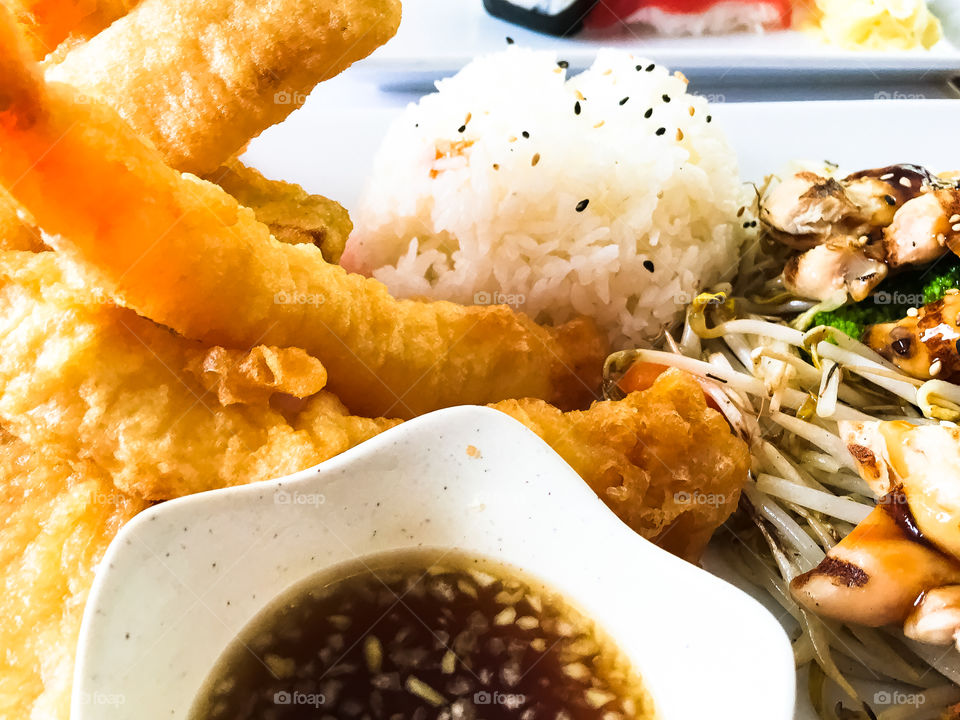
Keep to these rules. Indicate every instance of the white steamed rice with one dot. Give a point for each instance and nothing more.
(475, 193)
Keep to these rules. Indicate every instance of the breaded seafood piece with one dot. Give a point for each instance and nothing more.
(183, 253)
(663, 461)
(99, 384)
(200, 78)
(292, 214)
(55, 524)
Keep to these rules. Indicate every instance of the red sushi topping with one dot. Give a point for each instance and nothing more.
(611, 12)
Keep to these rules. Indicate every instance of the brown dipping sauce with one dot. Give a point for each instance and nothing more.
(417, 636)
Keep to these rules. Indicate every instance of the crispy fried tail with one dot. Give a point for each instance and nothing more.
(183, 253)
(661, 459)
(50, 22)
(200, 78)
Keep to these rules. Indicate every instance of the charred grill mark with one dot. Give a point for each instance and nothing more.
(865, 459)
(840, 572)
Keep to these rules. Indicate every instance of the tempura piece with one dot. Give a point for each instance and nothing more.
(98, 384)
(292, 214)
(664, 462)
(55, 525)
(200, 78)
(48, 23)
(183, 253)
(17, 230)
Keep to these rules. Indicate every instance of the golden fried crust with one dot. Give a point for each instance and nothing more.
(17, 230)
(200, 78)
(664, 462)
(183, 252)
(104, 386)
(55, 525)
(292, 214)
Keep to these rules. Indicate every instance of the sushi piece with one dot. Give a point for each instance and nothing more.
(694, 17)
(553, 17)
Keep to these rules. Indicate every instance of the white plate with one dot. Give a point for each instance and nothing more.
(183, 578)
(331, 152)
(437, 37)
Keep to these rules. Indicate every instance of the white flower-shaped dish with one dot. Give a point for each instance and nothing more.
(183, 578)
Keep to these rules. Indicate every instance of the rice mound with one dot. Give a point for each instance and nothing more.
(609, 194)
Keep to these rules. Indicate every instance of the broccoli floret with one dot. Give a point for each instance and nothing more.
(945, 276)
(853, 318)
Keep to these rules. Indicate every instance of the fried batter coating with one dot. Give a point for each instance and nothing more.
(55, 525)
(292, 214)
(17, 230)
(663, 461)
(48, 23)
(239, 377)
(102, 385)
(182, 252)
(200, 79)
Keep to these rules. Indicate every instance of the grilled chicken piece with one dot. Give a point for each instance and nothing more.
(909, 543)
(803, 209)
(821, 271)
(874, 575)
(922, 230)
(936, 618)
(921, 462)
(924, 345)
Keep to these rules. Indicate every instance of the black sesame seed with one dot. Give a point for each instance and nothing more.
(509, 40)
(582, 205)
(746, 225)
(890, 200)
(661, 131)
(564, 64)
(624, 101)
(709, 118)
(648, 114)
(650, 67)
(648, 265)
(666, 98)
(462, 128)
(576, 108)
(525, 134)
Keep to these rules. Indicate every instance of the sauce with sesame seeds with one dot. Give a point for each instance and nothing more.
(418, 635)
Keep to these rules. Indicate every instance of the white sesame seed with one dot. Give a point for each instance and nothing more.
(912, 312)
(888, 176)
(905, 182)
(935, 367)
(941, 238)
(955, 218)
(956, 228)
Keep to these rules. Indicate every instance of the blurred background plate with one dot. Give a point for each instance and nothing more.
(438, 37)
